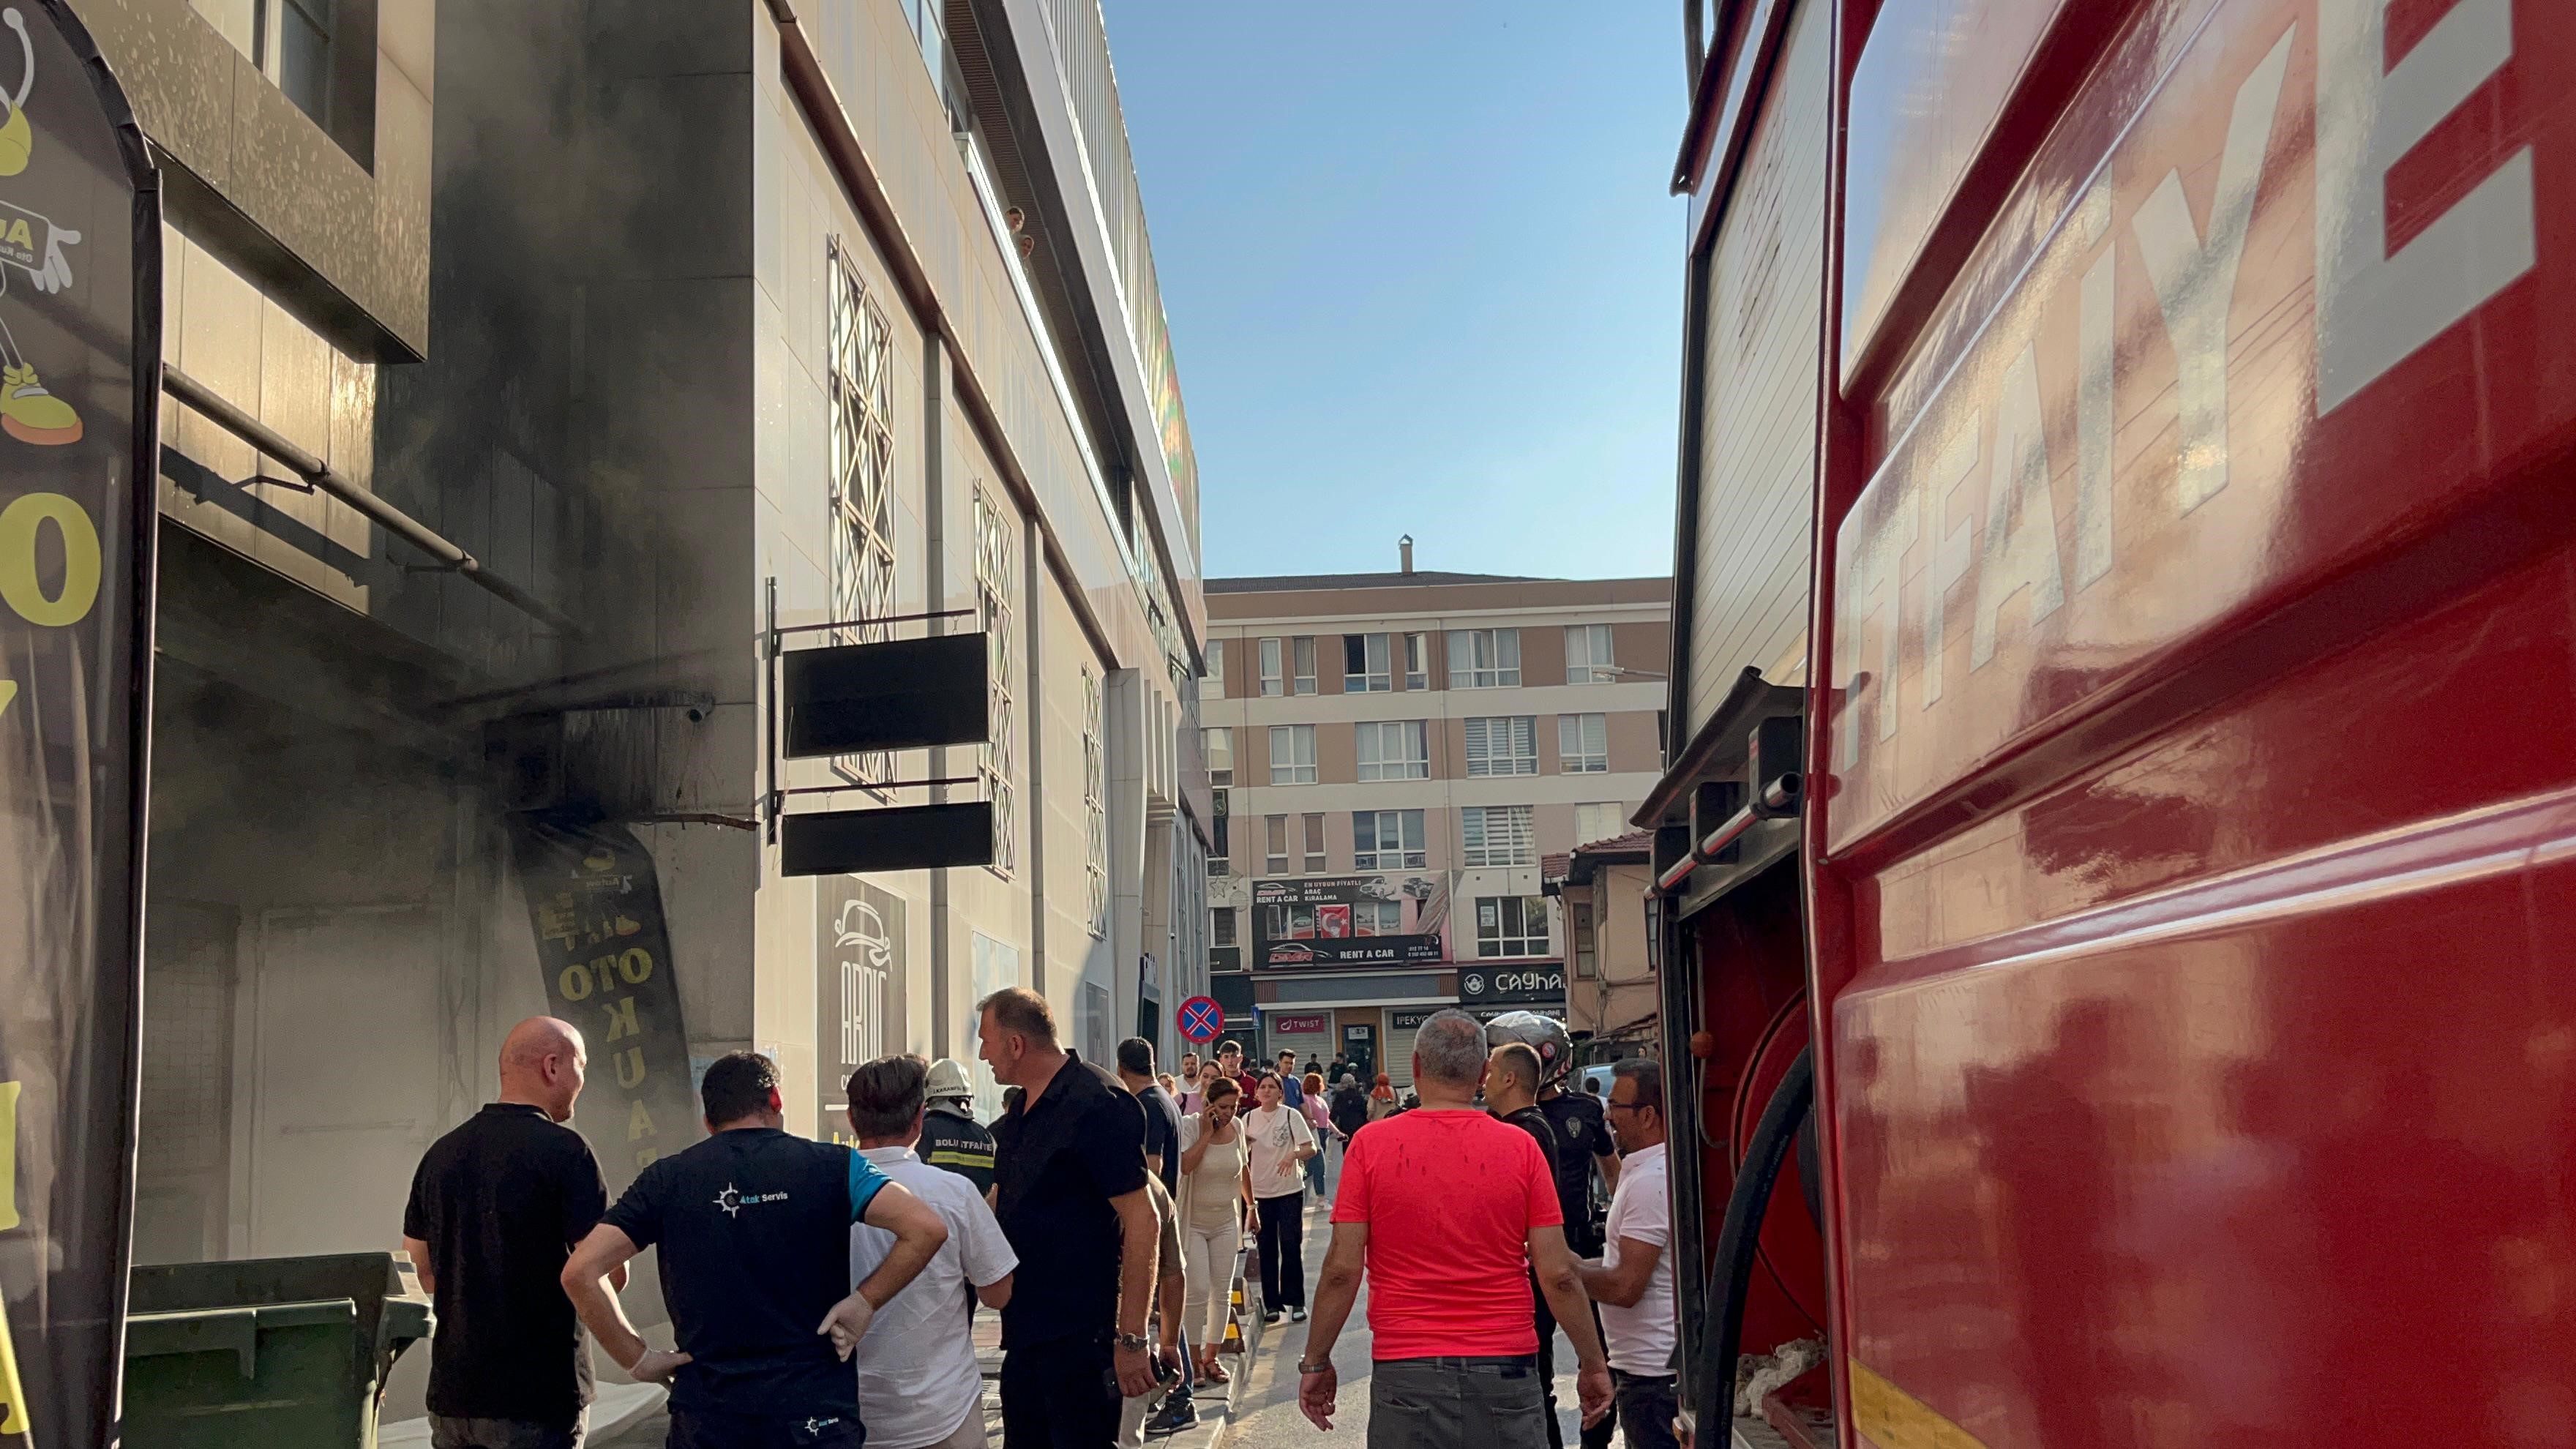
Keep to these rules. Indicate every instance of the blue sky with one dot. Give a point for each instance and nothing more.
(1422, 275)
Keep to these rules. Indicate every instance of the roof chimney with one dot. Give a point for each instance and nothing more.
(1404, 550)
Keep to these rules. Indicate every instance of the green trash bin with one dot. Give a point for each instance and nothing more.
(266, 1353)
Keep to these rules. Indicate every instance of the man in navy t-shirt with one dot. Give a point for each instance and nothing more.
(754, 1231)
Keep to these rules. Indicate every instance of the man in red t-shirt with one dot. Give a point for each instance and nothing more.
(1448, 1212)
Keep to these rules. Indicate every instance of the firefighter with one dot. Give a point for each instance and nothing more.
(1583, 1143)
(950, 1136)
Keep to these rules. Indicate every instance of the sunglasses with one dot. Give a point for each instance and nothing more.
(1627, 1106)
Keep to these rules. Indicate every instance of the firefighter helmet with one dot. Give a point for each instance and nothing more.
(1544, 1035)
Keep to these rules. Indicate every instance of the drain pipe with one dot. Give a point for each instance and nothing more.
(393, 520)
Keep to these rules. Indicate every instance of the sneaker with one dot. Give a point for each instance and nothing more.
(32, 415)
(1270, 1316)
(1297, 1314)
(1178, 1413)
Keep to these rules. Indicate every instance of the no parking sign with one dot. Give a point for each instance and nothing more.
(1201, 1019)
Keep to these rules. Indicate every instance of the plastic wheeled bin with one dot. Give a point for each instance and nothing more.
(266, 1353)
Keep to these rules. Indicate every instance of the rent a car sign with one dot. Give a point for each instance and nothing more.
(2289, 284)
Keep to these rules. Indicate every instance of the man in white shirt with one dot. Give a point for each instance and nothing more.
(1633, 1279)
(919, 1386)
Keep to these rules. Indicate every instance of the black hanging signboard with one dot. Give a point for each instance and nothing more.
(80, 350)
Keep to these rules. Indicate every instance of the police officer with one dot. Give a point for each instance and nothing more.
(950, 1137)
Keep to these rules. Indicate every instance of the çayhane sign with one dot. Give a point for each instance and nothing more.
(1539, 982)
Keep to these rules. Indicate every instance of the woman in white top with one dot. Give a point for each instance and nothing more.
(1280, 1142)
(1216, 1193)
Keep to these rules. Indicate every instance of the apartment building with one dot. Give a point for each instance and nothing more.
(1392, 755)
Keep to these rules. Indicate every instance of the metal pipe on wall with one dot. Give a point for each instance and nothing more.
(224, 414)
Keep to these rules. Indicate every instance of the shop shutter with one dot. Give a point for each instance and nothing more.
(1396, 1057)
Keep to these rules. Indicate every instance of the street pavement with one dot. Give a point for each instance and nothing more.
(1266, 1417)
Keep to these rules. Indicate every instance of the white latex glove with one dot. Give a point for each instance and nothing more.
(847, 1323)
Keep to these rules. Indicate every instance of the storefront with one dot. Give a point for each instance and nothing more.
(1306, 1033)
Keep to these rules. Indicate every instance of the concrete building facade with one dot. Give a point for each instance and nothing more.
(1394, 753)
(685, 319)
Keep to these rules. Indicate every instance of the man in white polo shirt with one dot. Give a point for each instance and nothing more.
(1633, 1279)
(919, 1387)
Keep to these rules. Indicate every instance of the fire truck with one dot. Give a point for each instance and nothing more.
(2116, 879)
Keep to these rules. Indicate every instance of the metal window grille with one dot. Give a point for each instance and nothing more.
(996, 587)
(861, 383)
(1095, 803)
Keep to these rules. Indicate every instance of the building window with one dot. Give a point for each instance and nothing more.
(1212, 684)
(1367, 664)
(1221, 842)
(1497, 835)
(1511, 926)
(1274, 840)
(1599, 821)
(861, 486)
(1302, 652)
(1578, 930)
(1587, 655)
(1502, 745)
(1377, 918)
(1314, 837)
(1484, 659)
(1417, 661)
(1387, 840)
(1394, 749)
(1221, 926)
(996, 592)
(1272, 684)
(1292, 754)
(1583, 744)
(1219, 745)
(1095, 803)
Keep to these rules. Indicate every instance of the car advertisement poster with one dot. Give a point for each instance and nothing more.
(1347, 921)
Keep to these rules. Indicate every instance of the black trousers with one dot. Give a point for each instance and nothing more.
(1062, 1394)
(1283, 1251)
(1595, 1436)
(1647, 1402)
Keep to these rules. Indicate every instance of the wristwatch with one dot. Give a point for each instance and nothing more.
(1304, 1368)
(1134, 1342)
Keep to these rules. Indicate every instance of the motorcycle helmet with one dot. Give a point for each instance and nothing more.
(1544, 1035)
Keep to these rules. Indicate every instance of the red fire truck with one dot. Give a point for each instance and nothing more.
(2121, 928)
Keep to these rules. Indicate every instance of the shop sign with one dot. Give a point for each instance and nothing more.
(605, 952)
(1346, 921)
(1412, 1020)
(1540, 983)
(80, 349)
(858, 991)
(1315, 1025)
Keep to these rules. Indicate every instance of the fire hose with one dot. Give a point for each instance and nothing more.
(1739, 1242)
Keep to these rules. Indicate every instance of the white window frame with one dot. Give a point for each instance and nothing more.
(1610, 818)
(1212, 683)
(1292, 755)
(1410, 851)
(1583, 744)
(1484, 658)
(1591, 654)
(1273, 679)
(1310, 835)
(1417, 661)
(1217, 743)
(1274, 845)
(1301, 654)
(1376, 674)
(1411, 759)
(1377, 918)
(1496, 835)
(1511, 926)
(1502, 744)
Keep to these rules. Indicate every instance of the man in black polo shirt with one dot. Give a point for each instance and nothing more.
(1069, 1183)
(754, 1228)
(1162, 1114)
(495, 1209)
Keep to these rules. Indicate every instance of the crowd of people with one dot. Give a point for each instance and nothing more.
(821, 1295)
